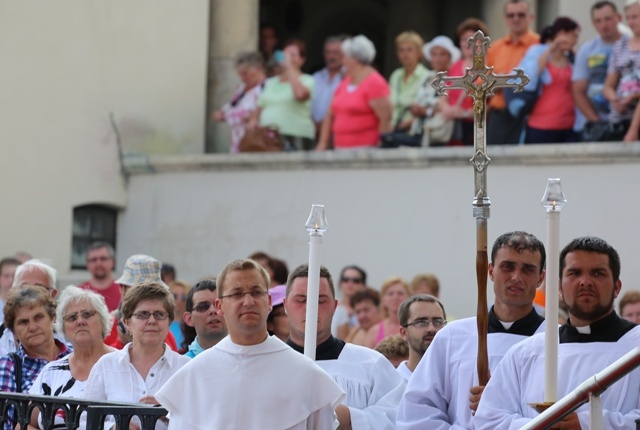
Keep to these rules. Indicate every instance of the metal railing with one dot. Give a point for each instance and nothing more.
(589, 391)
(97, 412)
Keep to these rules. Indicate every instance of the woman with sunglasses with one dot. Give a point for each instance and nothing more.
(135, 373)
(83, 318)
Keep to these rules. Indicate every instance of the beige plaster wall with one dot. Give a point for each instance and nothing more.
(65, 67)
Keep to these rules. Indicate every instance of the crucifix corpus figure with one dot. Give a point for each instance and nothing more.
(479, 82)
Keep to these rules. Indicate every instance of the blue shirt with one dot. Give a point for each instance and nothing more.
(323, 93)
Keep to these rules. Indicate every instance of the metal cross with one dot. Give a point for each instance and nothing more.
(479, 82)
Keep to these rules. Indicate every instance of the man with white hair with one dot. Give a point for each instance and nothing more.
(32, 272)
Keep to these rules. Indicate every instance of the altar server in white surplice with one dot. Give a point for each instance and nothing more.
(443, 391)
(249, 380)
(372, 384)
(593, 338)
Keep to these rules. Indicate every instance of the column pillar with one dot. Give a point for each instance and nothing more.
(233, 28)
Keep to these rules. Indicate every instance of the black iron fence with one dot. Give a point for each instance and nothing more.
(71, 409)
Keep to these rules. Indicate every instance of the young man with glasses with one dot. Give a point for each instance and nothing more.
(233, 384)
(504, 55)
(202, 322)
(443, 391)
(421, 317)
(372, 384)
(100, 264)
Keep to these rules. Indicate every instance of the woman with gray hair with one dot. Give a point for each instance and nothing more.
(83, 318)
(361, 107)
(251, 70)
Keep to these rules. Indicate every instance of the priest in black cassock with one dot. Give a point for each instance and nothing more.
(593, 338)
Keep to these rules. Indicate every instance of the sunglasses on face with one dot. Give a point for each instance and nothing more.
(354, 280)
(74, 316)
(520, 15)
(203, 307)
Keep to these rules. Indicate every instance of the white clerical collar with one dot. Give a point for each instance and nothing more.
(506, 325)
(584, 330)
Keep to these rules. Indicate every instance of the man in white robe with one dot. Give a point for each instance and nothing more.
(249, 380)
(373, 386)
(443, 391)
(421, 316)
(593, 338)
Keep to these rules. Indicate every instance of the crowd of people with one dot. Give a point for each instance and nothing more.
(586, 93)
(386, 357)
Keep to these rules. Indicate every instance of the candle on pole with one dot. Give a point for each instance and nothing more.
(553, 201)
(316, 226)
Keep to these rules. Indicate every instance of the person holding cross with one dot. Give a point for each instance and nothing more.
(443, 390)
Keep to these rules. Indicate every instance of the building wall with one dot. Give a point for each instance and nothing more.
(66, 67)
(393, 212)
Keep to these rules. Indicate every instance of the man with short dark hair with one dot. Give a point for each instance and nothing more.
(593, 337)
(421, 317)
(327, 79)
(590, 66)
(100, 264)
(443, 391)
(202, 317)
(372, 384)
(504, 55)
(249, 380)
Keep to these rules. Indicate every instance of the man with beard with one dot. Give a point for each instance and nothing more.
(100, 264)
(421, 317)
(443, 390)
(593, 338)
(372, 384)
(202, 322)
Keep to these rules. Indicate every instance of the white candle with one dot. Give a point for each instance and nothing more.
(313, 294)
(316, 226)
(551, 308)
(553, 200)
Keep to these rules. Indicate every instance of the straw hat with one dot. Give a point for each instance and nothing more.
(141, 269)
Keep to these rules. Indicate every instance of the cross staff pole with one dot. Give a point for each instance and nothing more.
(479, 82)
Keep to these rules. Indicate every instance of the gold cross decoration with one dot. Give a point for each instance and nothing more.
(479, 82)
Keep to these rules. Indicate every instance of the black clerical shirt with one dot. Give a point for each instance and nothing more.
(526, 326)
(330, 349)
(609, 329)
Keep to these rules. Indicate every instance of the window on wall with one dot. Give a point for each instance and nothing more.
(91, 223)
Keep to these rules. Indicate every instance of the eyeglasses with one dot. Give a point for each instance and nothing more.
(74, 316)
(424, 323)
(255, 295)
(181, 296)
(354, 280)
(203, 306)
(157, 315)
(520, 15)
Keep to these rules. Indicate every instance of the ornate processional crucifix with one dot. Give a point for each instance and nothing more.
(479, 81)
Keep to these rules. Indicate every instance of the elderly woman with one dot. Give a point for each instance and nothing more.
(405, 81)
(361, 108)
(251, 70)
(285, 101)
(393, 292)
(29, 313)
(83, 318)
(135, 373)
(441, 53)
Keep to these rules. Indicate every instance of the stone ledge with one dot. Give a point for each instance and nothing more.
(579, 153)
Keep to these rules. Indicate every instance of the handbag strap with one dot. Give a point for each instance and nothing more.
(17, 366)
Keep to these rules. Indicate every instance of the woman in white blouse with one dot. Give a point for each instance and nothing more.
(83, 318)
(135, 373)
